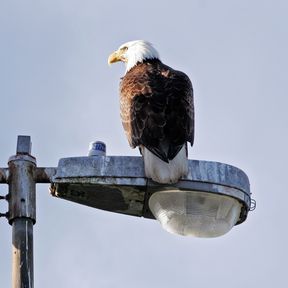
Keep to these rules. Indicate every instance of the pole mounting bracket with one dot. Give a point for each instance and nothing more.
(6, 215)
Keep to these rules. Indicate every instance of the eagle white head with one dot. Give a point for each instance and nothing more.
(133, 52)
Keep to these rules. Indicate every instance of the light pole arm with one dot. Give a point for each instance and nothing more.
(44, 174)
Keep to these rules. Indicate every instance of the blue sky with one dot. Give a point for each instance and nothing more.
(56, 86)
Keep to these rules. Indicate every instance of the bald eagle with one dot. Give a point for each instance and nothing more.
(157, 110)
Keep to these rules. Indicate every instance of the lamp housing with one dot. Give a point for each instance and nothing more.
(207, 203)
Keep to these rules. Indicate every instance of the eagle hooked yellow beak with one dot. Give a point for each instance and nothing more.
(117, 56)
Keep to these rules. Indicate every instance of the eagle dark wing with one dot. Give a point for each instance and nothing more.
(157, 108)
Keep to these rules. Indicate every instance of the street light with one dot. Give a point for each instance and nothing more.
(207, 203)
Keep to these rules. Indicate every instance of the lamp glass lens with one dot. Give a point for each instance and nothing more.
(194, 213)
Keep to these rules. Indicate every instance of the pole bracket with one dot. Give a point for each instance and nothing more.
(6, 215)
(22, 166)
(6, 197)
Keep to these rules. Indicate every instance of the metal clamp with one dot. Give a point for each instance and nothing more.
(6, 215)
(4, 197)
(22, 198)
(252, 205)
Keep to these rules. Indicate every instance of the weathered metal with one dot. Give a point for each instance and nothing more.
(22, 197)
(44, 174)
(6, 215)
(22, 253)
(24, 145)
(118, 184)
(3, 179)
(22, 212)
(4, 175)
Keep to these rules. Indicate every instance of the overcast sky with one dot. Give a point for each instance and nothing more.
(56, 86)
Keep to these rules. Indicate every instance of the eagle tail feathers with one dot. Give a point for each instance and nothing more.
(162, 172)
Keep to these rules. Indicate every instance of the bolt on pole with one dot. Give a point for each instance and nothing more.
(22, 212)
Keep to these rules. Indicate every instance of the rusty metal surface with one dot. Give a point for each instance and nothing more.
(22, 212)
(22, 253)
(4, 173)
(41, 174)
(44, 174)
(118, 183)
(22, 188)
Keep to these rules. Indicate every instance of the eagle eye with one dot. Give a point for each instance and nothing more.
(125, 48)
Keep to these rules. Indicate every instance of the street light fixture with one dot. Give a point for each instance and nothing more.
(207, 203)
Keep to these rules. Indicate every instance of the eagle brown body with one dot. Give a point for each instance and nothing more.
(157, 111)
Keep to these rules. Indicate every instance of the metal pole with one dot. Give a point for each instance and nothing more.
(22, 212)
